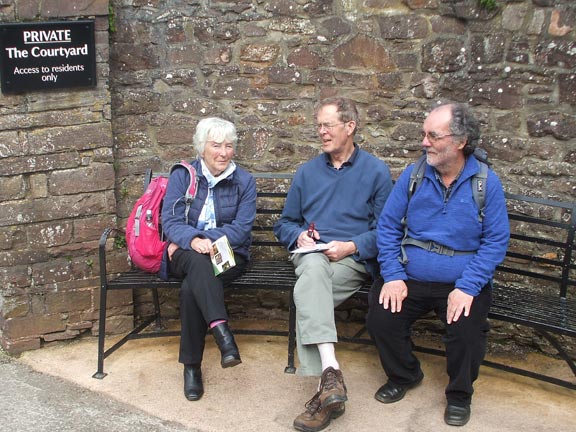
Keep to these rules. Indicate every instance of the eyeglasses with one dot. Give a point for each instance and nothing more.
(434, 137)
(327, 126)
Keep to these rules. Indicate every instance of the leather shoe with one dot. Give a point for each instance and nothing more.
(457, 415)
(332, 387)
(391, 392)
(228, 349)
(193, 387)
(316, 418)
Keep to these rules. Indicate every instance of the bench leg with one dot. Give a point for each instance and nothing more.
(101, 332)
(291, 335)
(569, 361)
(156, 302)
(360, 332)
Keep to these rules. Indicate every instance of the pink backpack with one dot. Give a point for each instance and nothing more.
(143, 228)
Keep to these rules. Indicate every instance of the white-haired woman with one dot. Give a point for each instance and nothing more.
(225, 204)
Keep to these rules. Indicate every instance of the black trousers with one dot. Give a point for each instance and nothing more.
(465, 339)
(201, 299)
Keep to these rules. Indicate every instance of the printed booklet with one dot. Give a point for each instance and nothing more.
(222, 256)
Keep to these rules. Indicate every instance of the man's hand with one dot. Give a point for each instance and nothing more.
(339, 249)
(458, 302)
(392, 294)
(304, 240)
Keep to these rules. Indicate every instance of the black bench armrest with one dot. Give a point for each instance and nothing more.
(102, 251)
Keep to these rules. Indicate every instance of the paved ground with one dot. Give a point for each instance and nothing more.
(53, 389)
(34, 401)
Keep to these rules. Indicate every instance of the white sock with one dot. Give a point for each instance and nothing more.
(328, 356)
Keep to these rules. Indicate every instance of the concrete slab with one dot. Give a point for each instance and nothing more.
(258, 396)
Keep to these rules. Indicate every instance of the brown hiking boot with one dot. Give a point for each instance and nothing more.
(316, 418)
(332, 387)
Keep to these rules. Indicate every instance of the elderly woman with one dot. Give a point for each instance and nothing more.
(225, 204)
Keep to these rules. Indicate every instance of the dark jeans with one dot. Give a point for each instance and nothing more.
(465, 339)
(201, 299)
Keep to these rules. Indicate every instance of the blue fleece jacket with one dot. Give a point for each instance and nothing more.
(452, 222)
(344, 204)
(234, 206)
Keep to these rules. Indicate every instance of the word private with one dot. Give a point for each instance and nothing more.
(46, 36)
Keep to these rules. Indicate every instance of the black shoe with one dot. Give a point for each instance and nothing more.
(391, 392)
(457, 415)
(228, 349)
(193, 387)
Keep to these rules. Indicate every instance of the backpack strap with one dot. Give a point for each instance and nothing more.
(479, 189)
(438, 248)
(192, 188)
(137, 218)
(416, 177)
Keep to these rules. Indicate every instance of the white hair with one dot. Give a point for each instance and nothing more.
(214, 129)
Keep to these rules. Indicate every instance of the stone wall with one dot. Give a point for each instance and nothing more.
(56, 194)
(263, 65)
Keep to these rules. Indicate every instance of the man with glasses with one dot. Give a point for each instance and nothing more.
(334, 200)
(451, 278)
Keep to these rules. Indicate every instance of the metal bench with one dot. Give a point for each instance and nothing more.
(533, 287)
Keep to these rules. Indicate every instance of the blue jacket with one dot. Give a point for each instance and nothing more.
(452, 222)
(344, 204)
(234, 205)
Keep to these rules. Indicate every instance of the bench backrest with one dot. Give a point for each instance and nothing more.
(541, 249)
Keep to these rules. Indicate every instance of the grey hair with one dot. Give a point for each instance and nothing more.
(345, 107)
(465, 124)
(214, 129)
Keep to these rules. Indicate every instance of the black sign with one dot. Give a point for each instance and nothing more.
(47, 55)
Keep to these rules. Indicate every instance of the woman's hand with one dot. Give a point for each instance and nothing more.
(172, 247)
(200, 245)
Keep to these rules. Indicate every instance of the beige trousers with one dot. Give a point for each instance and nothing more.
(321, 286)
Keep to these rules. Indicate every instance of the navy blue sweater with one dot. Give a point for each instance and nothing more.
(344, 204)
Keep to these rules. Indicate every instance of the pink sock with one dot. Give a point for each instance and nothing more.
(215, 323)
